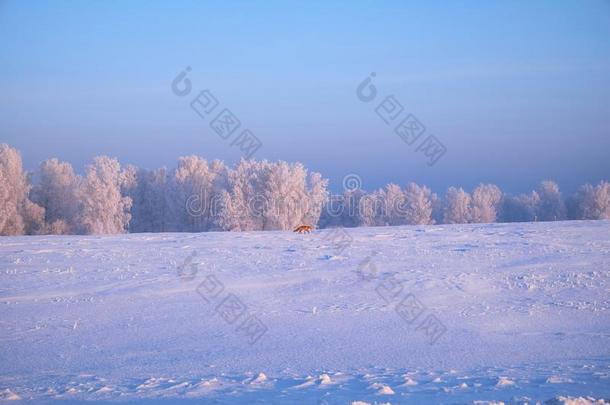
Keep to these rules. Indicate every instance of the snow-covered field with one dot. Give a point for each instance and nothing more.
(432, 314)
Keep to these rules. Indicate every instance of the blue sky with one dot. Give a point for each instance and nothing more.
(517, 91)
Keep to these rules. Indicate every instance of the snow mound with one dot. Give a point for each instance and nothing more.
(556, 379)
(409, 382)
(8, 395)
(504, 382)
(324, 379)
(260, 378)
(382, 389)
(576, 401)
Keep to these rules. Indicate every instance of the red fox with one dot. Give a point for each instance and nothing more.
(303, 229)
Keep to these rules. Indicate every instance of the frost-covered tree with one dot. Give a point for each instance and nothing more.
(255, 195)
(149, 211)
(550, 205)
(486, 200)
(227, 218)
(351, 215)
(395, 205)
(372, 209)
(104, 209)
(141, 202)
(332, 214)
(193, 188)
(521, 208)
(317, 195)
(418, 204)
(246, 209)
(437, 204)
(285, 194)
(13, 189)
(267, 196)
(367, 210)
(592, 202)
(57, 192)
(457, 206)
(544, 204)
(18, 214)
(33, 218)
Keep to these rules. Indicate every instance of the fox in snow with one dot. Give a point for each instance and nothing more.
(303, 229)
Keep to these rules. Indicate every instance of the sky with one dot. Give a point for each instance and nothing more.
(516, 91)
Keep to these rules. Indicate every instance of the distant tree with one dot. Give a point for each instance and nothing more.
(149, 211)
(18, 214)
(550, 205)
(286, 196)
(194, 187)
(255, 195)
(592, 202)
(318, 194)
(56, 191)
(246, 207)
(268, 196)
(157, 189)
(437, 209)
(279, 195)
(59, 227)
(521, 208)
(33, 218)
(395, 205)
(228, 217)
(332, 214)
(351, 215)
(13, 189)
(372, 208)
(418, 204)
(486, 200)
(104, 209)
(457, 206)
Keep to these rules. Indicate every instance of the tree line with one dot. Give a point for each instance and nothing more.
(199, 196)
